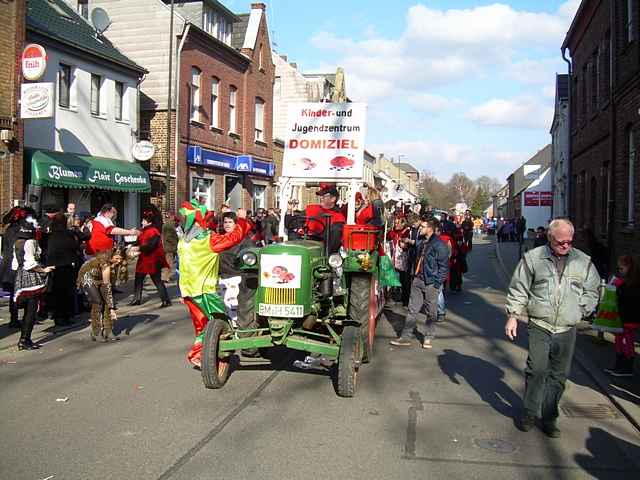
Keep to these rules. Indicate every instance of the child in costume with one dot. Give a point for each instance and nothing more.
(617, 313)
(95, 279)
(198, 250)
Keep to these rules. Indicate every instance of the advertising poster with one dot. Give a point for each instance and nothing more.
(280, 271)
(546, 199)
(325, 140)
(531, 199)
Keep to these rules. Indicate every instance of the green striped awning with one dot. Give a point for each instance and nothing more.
(69, 170)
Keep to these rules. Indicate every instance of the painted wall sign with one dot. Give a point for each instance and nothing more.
(325, 140)
(143, 150)
(36, 100)
(280, 271)
(34, 61)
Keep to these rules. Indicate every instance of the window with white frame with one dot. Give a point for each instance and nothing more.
(83, 8)
(195, 94)
(64, 85)
(259, 136)
(259, 197)
(96, 85)
(119, 100)
(216, 25)
(215, 105)
(631, 171)
(233, 98)
(202, 189)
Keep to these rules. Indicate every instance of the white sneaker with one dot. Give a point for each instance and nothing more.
(427, 343)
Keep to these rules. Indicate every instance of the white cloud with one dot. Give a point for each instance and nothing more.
(432, 103)
(445, 159)
(535, 72)
(521, 112)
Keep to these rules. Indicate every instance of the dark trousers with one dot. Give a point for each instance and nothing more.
(156, 278)
(548, 366)
(30, 309)
(405, 281)
(62, 293)
(422, 297)
(13, 308)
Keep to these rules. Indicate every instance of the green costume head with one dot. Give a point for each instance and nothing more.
(193, 212)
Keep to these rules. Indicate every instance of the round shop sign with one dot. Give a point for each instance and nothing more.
(34, 61)
(143, 151)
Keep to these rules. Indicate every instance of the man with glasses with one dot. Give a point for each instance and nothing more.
(555, 286)
(431, 270)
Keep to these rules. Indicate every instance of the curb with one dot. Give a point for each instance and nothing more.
(587, 365)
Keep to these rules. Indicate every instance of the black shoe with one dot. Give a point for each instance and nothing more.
(551, 430)
(527, 422)
(135, 301)
(27, 345)
(15, 324)
(165, 304)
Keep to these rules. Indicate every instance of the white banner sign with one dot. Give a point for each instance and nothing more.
(280, 271)
(325, 140)
(37, 100)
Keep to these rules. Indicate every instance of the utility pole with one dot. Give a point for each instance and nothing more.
(167, 193)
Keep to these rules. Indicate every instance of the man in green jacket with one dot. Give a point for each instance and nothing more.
(554, 286)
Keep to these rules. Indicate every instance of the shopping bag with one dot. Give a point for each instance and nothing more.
(388, 275)
(608, 319)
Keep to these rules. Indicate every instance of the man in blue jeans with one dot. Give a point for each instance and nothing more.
(431, 270)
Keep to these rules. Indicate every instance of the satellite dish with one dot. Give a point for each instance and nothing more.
(100, 20)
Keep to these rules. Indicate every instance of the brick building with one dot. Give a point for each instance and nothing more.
(222, 95)
(604, 100)
(12, 35)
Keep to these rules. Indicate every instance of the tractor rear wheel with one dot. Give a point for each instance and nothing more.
(349, 359)
(215, 370)
(362, 309)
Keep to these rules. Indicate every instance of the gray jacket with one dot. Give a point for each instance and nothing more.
(552, 303)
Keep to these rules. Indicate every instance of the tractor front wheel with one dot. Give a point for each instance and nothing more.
(362, 309)
(215, 370)
(349, 359)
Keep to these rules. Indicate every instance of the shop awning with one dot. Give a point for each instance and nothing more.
(69, 170)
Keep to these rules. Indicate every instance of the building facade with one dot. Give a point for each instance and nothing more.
(560, 148)
(220, 149)
(603, 43)
(12, 35)
(536, 172)
(82, 153)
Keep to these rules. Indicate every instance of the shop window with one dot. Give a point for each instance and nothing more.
(259, 197)
(195, 94)
(215, 107)
(202, 189)
(232, 191)
(64, 85)
(233, 98)
(631, 173)
(259, 135)
(96, 86)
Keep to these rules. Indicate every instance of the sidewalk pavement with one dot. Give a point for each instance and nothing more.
(593, 354)
(46, 331)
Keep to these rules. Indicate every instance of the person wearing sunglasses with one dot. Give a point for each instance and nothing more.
(554, 286)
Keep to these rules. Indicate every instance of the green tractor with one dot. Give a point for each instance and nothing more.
(311, 300)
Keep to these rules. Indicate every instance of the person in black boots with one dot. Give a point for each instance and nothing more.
(62, 251)
(31, 279)
(151, 260)
(7, 274)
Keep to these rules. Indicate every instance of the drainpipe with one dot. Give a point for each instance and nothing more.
(569, 186)
(611, 203)
(185, 32)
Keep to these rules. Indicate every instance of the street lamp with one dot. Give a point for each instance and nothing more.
(167, 194)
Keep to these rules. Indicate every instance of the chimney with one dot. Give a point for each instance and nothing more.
(283, 57)
(258, 6)
(294, 65)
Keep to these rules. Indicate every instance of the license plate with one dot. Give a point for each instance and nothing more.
(267, 310)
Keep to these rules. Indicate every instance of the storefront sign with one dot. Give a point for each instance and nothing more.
(325, 140)
(546, 199)
(143, 150)
(36, 100)
(199, 156)
(34, 61)
(538, 199)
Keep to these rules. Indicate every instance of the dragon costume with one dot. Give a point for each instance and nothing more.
(198, 250)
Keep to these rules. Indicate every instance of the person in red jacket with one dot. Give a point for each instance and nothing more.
(151, 260)
(103, 230)
(316, 224)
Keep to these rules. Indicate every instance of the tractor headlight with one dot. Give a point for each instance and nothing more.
(249, 259)
(335, 260)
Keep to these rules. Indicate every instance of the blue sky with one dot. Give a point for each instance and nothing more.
(452, 86)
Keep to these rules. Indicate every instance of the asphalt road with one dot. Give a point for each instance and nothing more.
(136, 410)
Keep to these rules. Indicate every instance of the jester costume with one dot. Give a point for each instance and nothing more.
(198, 250)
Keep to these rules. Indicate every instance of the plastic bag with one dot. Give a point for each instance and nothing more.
(608, 319)
(388, 275)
